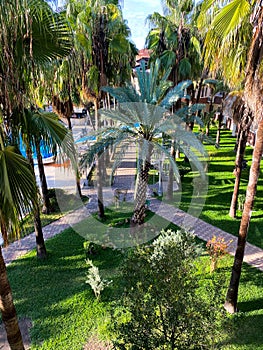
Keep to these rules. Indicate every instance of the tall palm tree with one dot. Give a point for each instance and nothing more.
(239, 22)
(235, 106)
(253, 97)
(143, 117)
(104, 54)
(175, 40)
(32, 37)
(17, 197)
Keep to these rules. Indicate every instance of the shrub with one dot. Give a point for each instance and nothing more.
(241, 201)
(164, 308)
(94, 279)
(217, 248)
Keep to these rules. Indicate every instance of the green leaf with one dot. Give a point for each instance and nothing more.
(230, 17)
(185, 68)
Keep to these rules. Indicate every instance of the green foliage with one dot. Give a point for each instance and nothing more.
(241, 201)
(64, 312)
(164, 307)
(94, 279)
(93, 79)
(184, 68)
(221, 183)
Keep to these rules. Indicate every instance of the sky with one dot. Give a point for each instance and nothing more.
(135, 12)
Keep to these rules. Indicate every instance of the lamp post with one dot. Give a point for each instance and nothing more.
(160, 182)
(160, 187)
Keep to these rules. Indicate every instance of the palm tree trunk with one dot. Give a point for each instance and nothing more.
(78, 186)
(232, 293)
(218, 133)
(8, 310)
(46, 209)
(244, 126)
(69, 123)
(253, 96)
(207, 129)
(40, 243)
(237, 172)
(141, 190)
(101, 210)
(4, 231)
(99, 163)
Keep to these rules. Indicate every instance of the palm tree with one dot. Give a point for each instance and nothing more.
(40, 127)
(104, 54)
(18, 197)
(253, 97)
(174, 39)
(234, 105)
(226, 30)
(146, 108)
(32, 36)
(239, 22)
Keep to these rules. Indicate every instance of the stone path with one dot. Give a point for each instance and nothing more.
(253, 255)
(203, 230)
(125, 179)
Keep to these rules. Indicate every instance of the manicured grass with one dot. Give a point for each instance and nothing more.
(27, 223)
(221, 184)
(65, 313)
(62, 307)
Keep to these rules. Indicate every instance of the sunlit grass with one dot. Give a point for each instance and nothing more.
(65, 313)
(221, 183)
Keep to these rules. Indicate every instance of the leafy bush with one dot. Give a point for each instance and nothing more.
(94, 279)
(217, 248)
(241, 201)
(164, 307)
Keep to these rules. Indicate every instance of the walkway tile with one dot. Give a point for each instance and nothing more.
(203, 230)
(125, 179)
(253, 255)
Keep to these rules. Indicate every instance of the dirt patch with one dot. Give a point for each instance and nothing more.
(24, 324)
(95, 344)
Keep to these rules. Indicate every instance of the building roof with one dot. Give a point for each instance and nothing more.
(143, 54)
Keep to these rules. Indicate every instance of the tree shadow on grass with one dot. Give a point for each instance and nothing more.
(246, 326)
(54, 295)
(251, 305)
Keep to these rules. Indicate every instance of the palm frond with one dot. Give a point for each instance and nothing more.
(51, 35)
(99, 147)
(175, 94)
(123, 94)
(46, 127)
(17, 183)
(230, 17)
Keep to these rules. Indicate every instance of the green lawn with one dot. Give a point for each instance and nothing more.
(65, 313)
(221, 184)
(62, 307)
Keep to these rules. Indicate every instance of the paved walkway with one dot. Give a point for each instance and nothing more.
(125, 179)
(203, 230)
